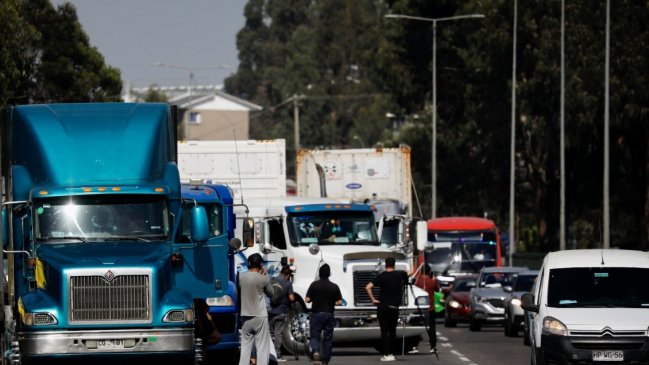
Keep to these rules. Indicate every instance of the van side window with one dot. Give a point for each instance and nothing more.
(276, 234)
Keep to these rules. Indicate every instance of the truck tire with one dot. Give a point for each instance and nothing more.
(296, 331)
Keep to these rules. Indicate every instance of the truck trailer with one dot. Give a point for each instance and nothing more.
(92, 204)
(283, 229)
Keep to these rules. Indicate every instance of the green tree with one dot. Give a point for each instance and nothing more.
(46, 57)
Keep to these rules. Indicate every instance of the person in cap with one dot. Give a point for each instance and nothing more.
(324, 296)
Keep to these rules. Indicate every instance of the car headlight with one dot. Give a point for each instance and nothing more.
(480, 299)
(454, 304)
(554, 327)
(516, 302)
(422, 301)
(223, 301)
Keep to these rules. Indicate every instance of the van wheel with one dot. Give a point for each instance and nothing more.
(296, 331)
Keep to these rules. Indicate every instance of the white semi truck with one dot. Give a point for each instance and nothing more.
(380, 177)
(305, 233)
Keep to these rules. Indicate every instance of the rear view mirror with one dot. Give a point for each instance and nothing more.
(199, 224)
(248, 232)
(422, 235)
(527, 303)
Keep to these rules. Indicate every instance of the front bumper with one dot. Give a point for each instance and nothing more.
(100, 342)
(486, 312)
(564, 350)
(360, 325)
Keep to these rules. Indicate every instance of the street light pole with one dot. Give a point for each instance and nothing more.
(512, 157)
(434, 22)
(606, 243)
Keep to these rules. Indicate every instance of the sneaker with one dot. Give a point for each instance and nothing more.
(281, 359)
(388, 358)
(414, 351)
(316, 358)
(433, 350)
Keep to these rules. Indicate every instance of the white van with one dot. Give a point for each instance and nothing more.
(590, 306)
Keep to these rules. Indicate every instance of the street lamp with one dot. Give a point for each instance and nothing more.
(434, 96)
(191, 78)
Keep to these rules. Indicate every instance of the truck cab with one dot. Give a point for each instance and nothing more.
(306, 233)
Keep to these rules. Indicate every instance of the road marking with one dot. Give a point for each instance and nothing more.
(462, 357)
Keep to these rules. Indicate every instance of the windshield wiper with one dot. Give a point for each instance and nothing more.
(131, 238)
(79, 238)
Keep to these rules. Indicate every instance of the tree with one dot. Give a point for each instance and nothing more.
(46, 57)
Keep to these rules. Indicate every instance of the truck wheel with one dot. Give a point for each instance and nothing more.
(296, 331)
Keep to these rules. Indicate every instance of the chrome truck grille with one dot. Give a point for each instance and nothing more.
(361, 299)
(109, 297)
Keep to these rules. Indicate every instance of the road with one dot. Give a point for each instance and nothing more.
(457, 346)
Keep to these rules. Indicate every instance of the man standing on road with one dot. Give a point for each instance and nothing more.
(391, 285)
(277, 315)
(254, 315)
(325, 295)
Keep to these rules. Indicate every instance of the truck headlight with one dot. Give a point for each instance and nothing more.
(184, 315)
(39, 319)
(516, 302)
(554, 326)
(422, 301)
(223, 301)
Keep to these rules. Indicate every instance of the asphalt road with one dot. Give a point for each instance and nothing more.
(456, 346)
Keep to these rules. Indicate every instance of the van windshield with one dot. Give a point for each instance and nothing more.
(598, 287)
(333, 228)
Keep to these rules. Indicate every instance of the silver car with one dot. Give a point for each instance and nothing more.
(514, 314)
(487, 299)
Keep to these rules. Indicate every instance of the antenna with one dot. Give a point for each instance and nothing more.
(236, 153)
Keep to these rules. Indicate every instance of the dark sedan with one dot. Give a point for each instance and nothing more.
(456, 308)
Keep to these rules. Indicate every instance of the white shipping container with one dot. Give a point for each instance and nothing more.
(251, 168)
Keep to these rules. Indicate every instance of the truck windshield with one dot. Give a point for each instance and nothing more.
(332, 228)
(583, 287)
(101, 217)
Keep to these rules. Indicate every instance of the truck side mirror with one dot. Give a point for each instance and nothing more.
(248, 232)
(199, 224)
(235, 244)
(422, 235)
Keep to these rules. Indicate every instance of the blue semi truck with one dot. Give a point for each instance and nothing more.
(104, 257)
(217, 201)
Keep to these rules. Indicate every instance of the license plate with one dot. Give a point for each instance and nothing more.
(110, 344)
(608, 356)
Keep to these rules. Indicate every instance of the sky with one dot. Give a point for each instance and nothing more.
(135, 35)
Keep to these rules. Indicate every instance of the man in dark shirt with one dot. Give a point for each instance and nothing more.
(391, 283)
(277, 314)
(325, 295)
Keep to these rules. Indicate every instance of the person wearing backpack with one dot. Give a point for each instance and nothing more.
(280, 302)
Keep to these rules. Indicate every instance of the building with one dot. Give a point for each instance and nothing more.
(208, 113)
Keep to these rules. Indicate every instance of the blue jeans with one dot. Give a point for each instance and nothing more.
(322, 322)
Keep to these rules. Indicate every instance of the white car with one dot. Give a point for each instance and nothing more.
(590, 306)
